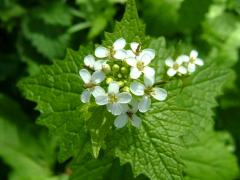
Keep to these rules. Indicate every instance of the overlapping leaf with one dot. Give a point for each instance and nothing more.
(211, 158)
(57, 90)
(27, 153)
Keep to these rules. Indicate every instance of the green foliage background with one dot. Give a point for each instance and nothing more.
(195, 134)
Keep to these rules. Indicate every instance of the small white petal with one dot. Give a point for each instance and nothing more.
(120, 54)
(101, 52)
(135, 73)
(181, 59)
(149, 52)
(131, 61)
(169, 62)
(85, 75)
(149, 81)
(134, 46)
(193, 54)
(182, 70)
(98, 91)
(171, 72)
(159, 94)
(121, 121)
(134, 106)
(137, 88)
(98, 77)
(146, 59)
(136, 121)
(119, 44)
(199, 62)
(99, 64)
(191, 68)
(116, 108)
(89, 61)
(144, 104)
(85, 96)
(124, 97)
(113, 88)
(149, 72)
(101, 100)
(130, 54)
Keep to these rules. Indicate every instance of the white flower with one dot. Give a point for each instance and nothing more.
(147, 90)
(193, 60)
(90, 83)
(140, 64)
(116, 102)
(136, 50)
(90, 62)
(177, 66)
(117, 51)
(122, 119)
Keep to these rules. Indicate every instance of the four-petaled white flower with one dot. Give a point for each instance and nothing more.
(129, 114)
(90, 83)
(177, 66)
(116, 51)
(147, 91)
(90, 62)
(139, 64)
(193, 60)
(116, 102)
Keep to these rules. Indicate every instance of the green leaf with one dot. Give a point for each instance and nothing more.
(118, 172)
(56, 13)
(161, 16)
(25, 152)
(50, 41)
(130, 27)
(219, 28)
(90, 169)
(195, 10)
(98, 127)
(210, 158)
(57, 90)
(9, 10)
(188, 108)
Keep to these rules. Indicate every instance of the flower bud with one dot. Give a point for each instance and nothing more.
(106, 68)
(119, 75)
(115, 68)
(126, 89)
(121, 83)
(124, 70)
(109, 80)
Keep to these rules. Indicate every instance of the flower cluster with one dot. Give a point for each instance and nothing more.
(184, 64)
(121, 78)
